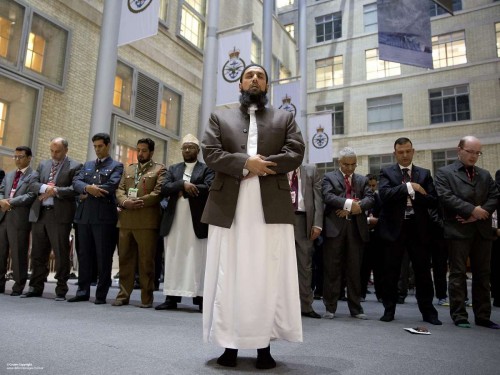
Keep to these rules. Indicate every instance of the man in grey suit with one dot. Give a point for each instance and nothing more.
(469, 197)
(52, 215)
(347, 197)
(15, 202)
(305, 185)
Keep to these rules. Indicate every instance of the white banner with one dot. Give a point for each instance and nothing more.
(404, 32)
(139, 19)
(234, 55)
(287, 97)
(319, 134)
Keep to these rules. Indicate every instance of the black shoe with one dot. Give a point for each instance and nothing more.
(487, 323)
(387, 317)
(228, 358)
(264, 359)
(99, 301)
(312, 314)
(433, 320)
(79, 299)
(31, 294)
(167, 305)
(15, 294)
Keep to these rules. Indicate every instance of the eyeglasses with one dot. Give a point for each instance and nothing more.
(472, 152)
(18, 157)
(188, 148)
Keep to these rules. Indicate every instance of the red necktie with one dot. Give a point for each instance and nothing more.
(348, 187)
(294, 185)
(16, 180)
(53, 172)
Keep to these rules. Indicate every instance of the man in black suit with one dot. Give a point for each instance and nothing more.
(52, 216)
(305, 185)
(96, 218)
(347, 196)
(407, 192)
(469, 197)
(15, 202)
(186, 187)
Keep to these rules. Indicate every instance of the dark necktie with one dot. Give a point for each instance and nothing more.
(17, 177)
(294, 185)
(348, 187)
(409, 207)
(406, 175)
(53, 171)
(470, 172)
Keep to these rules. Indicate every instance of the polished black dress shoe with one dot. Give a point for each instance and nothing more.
(264, 359)
(79, 299)
(487, 323)
(167, 306)
(228, 358)
(15, 294)
(387, 317)
(312, 314)
(99, 301)
(31, 294)
(433, 320)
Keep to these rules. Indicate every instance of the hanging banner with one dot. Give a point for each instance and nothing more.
(139, 19)
(287, 97)
(319, 133)
(234, 55)
(404, 32)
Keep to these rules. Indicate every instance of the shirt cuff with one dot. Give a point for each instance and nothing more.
(411, 192)
(348, 204)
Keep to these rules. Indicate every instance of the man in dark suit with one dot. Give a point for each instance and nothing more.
(96, 218)
(186, 187)
(251, 290)
(347, 196)
(407, 192)
(305, 185)
(468, 196)
(52, 215)
(15, 202)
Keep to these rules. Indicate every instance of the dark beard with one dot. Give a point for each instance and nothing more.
(247, 99)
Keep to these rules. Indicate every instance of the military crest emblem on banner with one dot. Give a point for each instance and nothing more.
(137, 6)
(288, 105)
(320, 139)
(233, 68)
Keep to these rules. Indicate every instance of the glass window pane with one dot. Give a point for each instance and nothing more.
(171, 107)
(123, 87)
(11, 28)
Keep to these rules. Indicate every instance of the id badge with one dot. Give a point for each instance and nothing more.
(12, 192)
(132, 193)
(293, 194)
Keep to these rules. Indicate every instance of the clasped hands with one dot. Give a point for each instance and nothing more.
(478, 213)
(257, 165)
(95, 191)
(51, 191)
(5, 205)
(355, 210)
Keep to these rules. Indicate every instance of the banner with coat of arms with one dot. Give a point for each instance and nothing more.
(234, 55)
(138, 20)
(319, 133)
(287, 97)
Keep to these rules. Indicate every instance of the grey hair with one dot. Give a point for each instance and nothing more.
(60, 140)
(346, 152)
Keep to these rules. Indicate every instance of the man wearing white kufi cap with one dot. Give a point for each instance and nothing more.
(186, 187)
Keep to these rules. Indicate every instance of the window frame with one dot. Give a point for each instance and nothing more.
(443, 97)
(336, 21)
(335, 109)
(450, 155)
(387, 123)
(370, 27)
(201, 18)
(381, 164)
(448, 44)
(332, 66)
(385, 68)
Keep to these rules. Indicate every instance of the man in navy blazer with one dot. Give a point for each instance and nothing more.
(346, 196)
(52, 215)
(469, 197)
(186, 186)
(15, 202)
(96, 218)
(407, 192)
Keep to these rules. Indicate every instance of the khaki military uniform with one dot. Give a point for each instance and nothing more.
(139, 228)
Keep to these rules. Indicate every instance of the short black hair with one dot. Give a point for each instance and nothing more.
(371, 176)
(102, 136)
(253, 65)
(149, 142)
(26, 150)
(402, 141)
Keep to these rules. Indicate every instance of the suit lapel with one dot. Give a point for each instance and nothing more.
(461, 175)
(24, 177)
(62, 169)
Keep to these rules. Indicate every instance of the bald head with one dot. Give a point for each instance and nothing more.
(58, 149)
(469, 150)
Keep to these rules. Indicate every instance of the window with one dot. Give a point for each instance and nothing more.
(449, 104)
(256, 51)
(436, 10)
(328, 27)
(163, 14)
(45, 49)
(370, 17)
(376, 68)
(290, 29)
(283, 3)
(497, 29)
(146, 100)
(443, 157)
(122, 94)
(327, 167)
(385, 113)
(127, 135)
(329, 72)
(192, 25)
(19, 101)
(449, 50)
(376, 163)
(337, 111)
